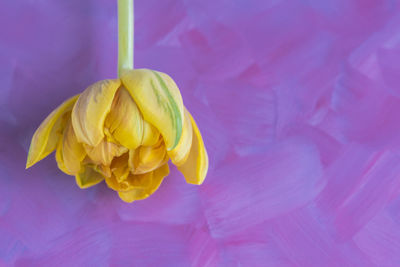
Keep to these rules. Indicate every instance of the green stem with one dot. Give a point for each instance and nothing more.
(125, 35)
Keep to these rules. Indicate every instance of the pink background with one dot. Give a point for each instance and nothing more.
(299, 105)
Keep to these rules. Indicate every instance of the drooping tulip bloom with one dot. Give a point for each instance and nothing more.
(124, 131)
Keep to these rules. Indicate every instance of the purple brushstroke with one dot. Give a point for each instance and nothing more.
(298, 102)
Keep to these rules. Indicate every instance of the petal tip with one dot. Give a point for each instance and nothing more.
(125, 199)
(78, 182)
(30, 161)
(88, 178)
(196, 181)
(28, 165)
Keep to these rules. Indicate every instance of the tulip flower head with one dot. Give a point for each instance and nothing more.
(124, 131)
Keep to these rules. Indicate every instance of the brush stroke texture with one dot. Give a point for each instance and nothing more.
(298, 102)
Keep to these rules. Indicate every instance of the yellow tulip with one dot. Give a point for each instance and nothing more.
(124, 131)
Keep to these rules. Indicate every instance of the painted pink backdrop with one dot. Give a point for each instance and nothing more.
(299, 105)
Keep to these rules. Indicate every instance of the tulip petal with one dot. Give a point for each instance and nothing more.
(159, 100)
(46, 137)
(196, 166)
(180, 153)
(147, 158)
(120, 168)
(125, 122)
(72, 151)
(104, 152)
(91, 109)
(60, 159)
(88, 177)
(136, 194)
(150, 134)
(103, 170)
(157, 177)
(132, 181)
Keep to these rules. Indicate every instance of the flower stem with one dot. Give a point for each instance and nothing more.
(125, 35)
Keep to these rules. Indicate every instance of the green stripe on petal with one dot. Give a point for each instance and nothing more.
(172, 109)
(181, 152)
(159, 100)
